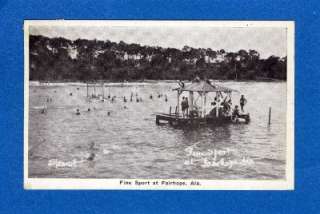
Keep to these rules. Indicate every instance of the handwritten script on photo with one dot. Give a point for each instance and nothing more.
(215, 158)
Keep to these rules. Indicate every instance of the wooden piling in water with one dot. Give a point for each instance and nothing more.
(87, 90)
(269, 120)
(103, 91)
(170, 110)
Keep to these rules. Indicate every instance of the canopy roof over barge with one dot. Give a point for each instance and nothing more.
(205, 86)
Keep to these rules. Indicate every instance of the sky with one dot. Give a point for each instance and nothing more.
(266, 40)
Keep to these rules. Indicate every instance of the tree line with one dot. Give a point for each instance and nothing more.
(60, 59)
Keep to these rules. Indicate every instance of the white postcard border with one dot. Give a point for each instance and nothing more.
(74, 184)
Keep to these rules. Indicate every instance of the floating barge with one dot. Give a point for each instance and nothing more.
(179, 120)
(197, 114)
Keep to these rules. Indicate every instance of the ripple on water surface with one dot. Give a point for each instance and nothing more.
(128, 144)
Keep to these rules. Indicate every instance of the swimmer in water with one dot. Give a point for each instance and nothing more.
(78, 112)
(92, 148)
(44, 110)
(91, 157)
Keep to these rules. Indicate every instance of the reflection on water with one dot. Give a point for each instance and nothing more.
(128, 143)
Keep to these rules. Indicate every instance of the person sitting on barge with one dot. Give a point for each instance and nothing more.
(184, 106)
(226, 105)
(235, 113)
(213, 111)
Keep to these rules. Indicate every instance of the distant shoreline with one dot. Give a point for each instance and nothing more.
(151, 81)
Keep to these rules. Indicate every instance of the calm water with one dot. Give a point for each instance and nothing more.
(128, 143)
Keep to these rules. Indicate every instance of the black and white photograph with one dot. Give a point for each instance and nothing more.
(159, 104)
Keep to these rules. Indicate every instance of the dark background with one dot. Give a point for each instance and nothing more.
(305, 197)
(154, 63)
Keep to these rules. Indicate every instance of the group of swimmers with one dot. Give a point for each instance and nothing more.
(88, 110)
(137, 98)
(159, 96)
(165, 97)
(49, 100)
(112, 99)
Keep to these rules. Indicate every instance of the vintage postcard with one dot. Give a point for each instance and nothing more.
(159, 105)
